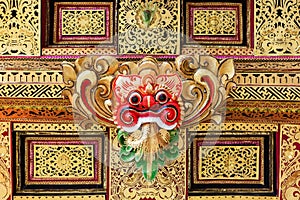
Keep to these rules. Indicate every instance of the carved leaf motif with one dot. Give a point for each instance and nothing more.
(206, 83)
(206, 87)
(89, 88)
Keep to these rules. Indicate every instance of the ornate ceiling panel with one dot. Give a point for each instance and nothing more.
(239, 164)
(19, 28)
(150, 27)
(215, 23)
(277, 27)
(253, 154)
(82, 22)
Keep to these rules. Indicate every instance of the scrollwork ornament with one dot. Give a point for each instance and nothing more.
(89, 88)
(206, 87)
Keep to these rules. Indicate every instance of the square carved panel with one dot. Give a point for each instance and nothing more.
(216, 23)
(233, 164)
(149, 27)
(51, 162)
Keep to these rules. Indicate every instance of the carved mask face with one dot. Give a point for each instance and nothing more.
(147, 99)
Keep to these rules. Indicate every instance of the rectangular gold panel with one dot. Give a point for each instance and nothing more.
(236, 160)
(83, 22)
(208, 22)
(214, 23)
(228, 162)
(62, 160)
(149, 27)
(232, 162)
(58, 159)
(80, 23)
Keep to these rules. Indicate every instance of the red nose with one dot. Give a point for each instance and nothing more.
(148, 101)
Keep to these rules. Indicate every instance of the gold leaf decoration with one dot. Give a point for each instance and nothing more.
(88, 86)
(206, 83)
(206, 87)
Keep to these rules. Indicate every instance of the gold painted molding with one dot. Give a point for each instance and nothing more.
(240, 78)
(80, 51)
(233, 198)
(235, 126)
(231, 51)
(32, 76)
(54, 127)
(86, 197)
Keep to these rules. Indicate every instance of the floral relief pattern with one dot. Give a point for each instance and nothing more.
(215, 22)
(5, 183)
(230, 162)
(277, 27)
(148, 27)
(62, 160)
(290, 162)
(19, 27)
(83, 22)
(80, 23)
(128, 183)
(220, 23)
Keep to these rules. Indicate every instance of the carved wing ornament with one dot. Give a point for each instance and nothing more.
(89, 88)
(148, 101)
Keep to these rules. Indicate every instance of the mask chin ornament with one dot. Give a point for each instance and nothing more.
(148, 101)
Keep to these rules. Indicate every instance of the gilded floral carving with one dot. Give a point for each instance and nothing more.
(290, 165)
(5, 182)
(277, 27)
(19, 27)
(149, 27)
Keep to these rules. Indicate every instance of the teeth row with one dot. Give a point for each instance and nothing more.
(145, 120)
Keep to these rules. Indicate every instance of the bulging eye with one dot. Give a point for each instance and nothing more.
(135, 98)
(161, 97)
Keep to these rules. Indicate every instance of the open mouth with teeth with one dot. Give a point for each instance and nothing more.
(166, 117)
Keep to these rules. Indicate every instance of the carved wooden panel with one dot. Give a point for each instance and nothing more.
(54, 158)
(277, 27)
(227, 164)
(215, 23)
(45, 155)
(19, 28)
(157, 33)
(82, 22)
